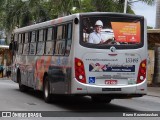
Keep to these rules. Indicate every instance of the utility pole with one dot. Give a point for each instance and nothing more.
(125, 6)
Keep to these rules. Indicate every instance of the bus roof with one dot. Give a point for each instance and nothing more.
(47, 23)
(64, 19)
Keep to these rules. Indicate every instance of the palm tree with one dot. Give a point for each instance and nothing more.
(149, 2)
(63, 7)
(103, 5)
(120, 4)
(18, 13)
(116, 5)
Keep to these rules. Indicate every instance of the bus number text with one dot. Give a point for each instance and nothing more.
(131, 60)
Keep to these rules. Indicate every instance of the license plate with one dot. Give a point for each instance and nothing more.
(111, 82)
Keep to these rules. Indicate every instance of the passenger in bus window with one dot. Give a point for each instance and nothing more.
(96, 36)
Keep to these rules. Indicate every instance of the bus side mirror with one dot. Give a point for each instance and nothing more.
(76, 21)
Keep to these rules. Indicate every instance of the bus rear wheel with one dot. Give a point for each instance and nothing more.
(46, 91)
(101, 99)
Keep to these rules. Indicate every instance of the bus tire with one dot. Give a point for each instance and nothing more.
(46, 90)
(22, 87)
(101, 99)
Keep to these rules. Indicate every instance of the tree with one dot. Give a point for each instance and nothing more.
(103, 6)
(19, 13)
(62, 7)
(16, 13)
(149, 2)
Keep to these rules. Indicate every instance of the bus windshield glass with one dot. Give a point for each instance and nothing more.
(106, 31)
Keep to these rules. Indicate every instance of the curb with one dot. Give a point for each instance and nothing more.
(5, 78)
(153, 91)
(153, 95)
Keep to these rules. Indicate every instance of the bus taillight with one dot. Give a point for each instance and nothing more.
(142, 72)
(79, 71)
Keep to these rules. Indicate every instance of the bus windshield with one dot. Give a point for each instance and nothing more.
(111, 30)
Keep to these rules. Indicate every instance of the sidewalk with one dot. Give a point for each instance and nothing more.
(5, 78)
(153, 91)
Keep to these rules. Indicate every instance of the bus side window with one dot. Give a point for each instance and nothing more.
(50, 42)
(60, 47)
(60, 41)
(20, 44)
(64, 32)
(32, 49)
(40, 48)
(29, 36)
(59, 32)
(23, 38)
(69, 39)
(26, 44)
(26, 37)
(33, 36)
(20, 47)
(16, 39)
(41, 43)
(19, 38)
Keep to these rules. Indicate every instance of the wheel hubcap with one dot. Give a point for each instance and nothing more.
(46, 90)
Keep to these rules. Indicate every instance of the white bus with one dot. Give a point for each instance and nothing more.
(57, 58)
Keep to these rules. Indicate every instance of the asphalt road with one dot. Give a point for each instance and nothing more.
(11, 99)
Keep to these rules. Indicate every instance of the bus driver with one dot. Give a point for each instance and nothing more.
(96, 37)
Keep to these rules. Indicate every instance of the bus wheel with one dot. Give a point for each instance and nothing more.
(101, 99)
(22, 87)
(46, 91)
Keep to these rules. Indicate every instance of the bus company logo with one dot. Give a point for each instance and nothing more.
(6, 114)
(112, 49)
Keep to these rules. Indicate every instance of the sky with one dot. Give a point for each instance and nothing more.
(149, 12)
